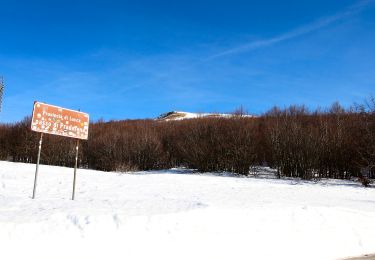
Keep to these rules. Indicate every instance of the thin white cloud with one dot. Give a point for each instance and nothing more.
(321, 23)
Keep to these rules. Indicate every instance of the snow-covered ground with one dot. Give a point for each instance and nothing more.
(171, 215)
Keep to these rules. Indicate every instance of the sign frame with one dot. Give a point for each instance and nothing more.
(54, 125)
(50, 119)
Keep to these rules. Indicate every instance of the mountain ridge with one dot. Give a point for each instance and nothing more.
(183, 115)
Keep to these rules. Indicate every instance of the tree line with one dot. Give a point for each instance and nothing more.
(331, 143)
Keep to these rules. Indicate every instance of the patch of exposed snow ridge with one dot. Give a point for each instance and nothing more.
(181, 115)
(175, 214)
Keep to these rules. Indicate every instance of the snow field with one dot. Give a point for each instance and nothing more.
(175, 214)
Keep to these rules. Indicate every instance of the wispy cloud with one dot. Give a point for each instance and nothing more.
(308, 28)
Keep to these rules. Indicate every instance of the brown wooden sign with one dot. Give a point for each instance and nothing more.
(55, 120)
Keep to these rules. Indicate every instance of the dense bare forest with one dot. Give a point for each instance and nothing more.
(331, 143)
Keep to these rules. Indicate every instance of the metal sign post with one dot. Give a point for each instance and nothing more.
(75, 170)
(60, 121)
(37, 165)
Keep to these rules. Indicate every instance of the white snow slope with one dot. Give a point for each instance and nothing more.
(169, 215)
(181, 115)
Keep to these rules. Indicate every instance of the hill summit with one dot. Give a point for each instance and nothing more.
(181, 115)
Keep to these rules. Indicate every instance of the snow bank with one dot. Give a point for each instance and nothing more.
(168, 215)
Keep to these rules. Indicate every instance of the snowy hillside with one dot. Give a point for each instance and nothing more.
(170, 215)
(180, 115)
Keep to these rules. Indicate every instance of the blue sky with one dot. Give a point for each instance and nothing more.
(137, 59)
